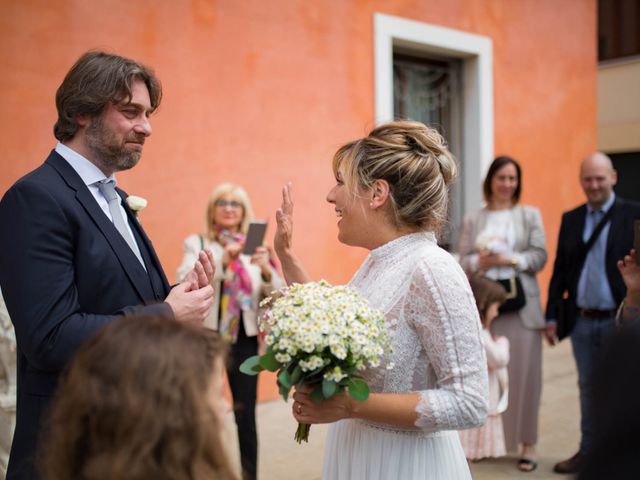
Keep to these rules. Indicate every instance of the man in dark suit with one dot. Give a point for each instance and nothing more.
(592, 283)
(73, 255)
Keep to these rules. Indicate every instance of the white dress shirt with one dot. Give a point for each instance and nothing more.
(91, 175)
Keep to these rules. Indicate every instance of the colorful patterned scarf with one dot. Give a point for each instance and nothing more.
(235, 295)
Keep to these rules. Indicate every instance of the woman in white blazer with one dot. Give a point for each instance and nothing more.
(502, 240)
(240, 283)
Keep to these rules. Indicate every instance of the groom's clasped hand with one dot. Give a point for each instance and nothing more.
(191, 299)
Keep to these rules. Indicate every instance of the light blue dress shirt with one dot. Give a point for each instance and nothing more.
(603, 298)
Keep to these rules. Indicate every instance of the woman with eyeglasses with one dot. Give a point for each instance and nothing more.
(240, 282)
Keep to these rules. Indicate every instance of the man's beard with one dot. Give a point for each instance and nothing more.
(111, 153)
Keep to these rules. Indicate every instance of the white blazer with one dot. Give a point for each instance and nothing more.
(260, 288)
(530, 244)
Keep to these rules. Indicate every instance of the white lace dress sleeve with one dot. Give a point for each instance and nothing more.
(437, 351)
(441, 308)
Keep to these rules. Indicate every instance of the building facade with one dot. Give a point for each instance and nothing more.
(263, 92)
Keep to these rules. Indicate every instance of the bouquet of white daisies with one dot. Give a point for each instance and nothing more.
(321, 336)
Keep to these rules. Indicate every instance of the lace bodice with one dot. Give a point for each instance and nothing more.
(435, 330)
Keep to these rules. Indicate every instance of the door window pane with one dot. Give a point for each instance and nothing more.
(429, 90)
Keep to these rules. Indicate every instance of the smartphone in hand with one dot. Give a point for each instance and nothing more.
(255, 236)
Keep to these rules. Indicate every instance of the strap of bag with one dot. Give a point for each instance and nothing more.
(596, 233)
(597, 230)
(565, 303)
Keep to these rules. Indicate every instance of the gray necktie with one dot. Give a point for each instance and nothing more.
(594, 264)
(108, 190)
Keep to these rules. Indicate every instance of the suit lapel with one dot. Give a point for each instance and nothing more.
(574, 245)
(581, 219)
(614, 227)
(151, 258)
(519, 225)
(130, 264)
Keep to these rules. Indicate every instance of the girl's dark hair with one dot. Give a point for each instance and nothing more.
(96, 79)
(486, 292)
(496, 165)
(133, 405)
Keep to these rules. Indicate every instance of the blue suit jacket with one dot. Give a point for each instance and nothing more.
(65, 271)
(569, 259)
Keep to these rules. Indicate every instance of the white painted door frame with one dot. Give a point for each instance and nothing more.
(476, 53)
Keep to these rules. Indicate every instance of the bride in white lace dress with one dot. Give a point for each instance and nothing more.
(390, 196)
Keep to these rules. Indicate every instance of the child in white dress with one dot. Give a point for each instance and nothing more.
(488, 439)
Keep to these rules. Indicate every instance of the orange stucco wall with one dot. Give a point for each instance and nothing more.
(262, 92)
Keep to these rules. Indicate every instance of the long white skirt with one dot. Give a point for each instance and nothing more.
(358, 450)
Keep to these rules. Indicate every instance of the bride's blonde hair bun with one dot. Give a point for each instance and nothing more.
(414, 159)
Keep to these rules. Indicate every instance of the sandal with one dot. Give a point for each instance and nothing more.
(527, 465)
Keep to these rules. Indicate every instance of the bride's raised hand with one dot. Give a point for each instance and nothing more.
(282, 241)
(292, 268)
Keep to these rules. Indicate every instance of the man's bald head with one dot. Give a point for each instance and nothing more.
(596, 158)
(597, 178)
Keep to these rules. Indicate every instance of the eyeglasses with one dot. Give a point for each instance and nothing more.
(228, 203)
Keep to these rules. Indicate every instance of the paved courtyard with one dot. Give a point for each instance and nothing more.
(282, 458)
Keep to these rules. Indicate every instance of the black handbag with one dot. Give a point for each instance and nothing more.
(515, 295)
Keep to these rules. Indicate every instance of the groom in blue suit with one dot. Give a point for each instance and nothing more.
(72, 254)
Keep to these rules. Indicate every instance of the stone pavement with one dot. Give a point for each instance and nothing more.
(281, 458)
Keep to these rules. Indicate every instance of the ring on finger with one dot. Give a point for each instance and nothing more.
(299, 409)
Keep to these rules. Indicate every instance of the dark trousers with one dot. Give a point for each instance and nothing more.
(243, 389)
(588, 339)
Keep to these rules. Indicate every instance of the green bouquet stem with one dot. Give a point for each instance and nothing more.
(302, 432)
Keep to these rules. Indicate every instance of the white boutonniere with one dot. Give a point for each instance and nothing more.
(136, 204)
